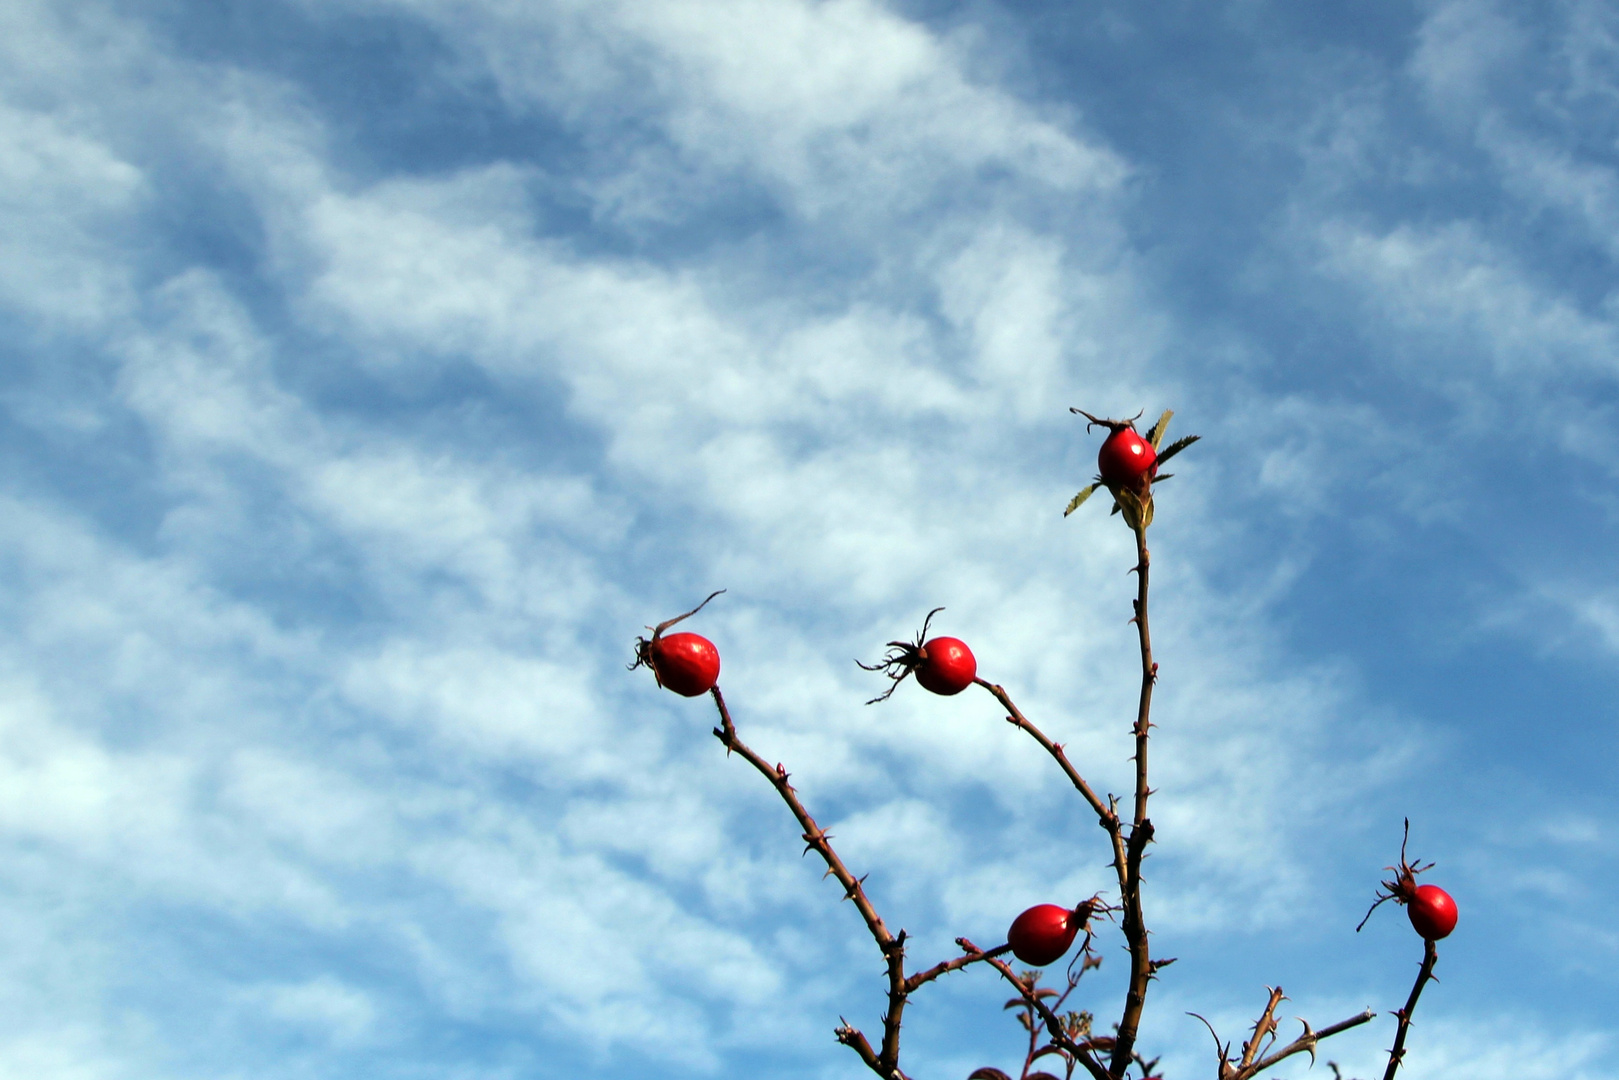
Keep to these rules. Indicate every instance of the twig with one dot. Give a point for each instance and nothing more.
(1430, 957)
(1059, 1037)
(1106, 816)
(1307, 1042)
(883, 1062)
(1265, 1025)
(972, 955)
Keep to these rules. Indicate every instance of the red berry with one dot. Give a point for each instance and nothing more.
(686, 663)
(947, 666)
(1042, 934)
(1125, 458)
(1432, 912)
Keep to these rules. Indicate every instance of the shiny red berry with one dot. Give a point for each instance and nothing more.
(947, 666)
(1432, 911)
(1043, 933)
(686, 663)
(1125, 458)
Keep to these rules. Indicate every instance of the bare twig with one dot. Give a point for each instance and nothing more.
(1264, 1027)
(972, 954)
(1106, 816)
(1306, 1043)
(1081, 1051)
(1247, 1066)
(1430, 957)
(884, 1063)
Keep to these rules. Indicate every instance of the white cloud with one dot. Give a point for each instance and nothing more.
(452, 762)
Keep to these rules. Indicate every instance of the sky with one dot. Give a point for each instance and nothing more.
(373, 371)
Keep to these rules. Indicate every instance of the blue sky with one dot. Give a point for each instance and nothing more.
(374, 370)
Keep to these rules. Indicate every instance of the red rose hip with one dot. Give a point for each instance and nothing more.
(943, 665)
(1125, 458)
(947, 666)
(686, 663)
(1043, 933)
(1433, 913)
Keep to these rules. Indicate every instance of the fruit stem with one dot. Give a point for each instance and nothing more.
(1430, 957)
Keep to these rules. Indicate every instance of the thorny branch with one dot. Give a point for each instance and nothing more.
(884, 1062)
(1264, 1037)
(1106, 816)
(1131, 920)
(1430, 957)
(1083, 1052)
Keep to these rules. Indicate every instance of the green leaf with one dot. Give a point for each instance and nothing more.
(1084, 493)
(1159, 428)
(1176, 447)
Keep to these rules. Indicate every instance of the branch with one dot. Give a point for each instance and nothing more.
(886, 1062)
(1131, 921)
(1430, 957)
(1266, 1025)
(1307, 1042)
(972, 955)
(1059, 1037)
(1106, 816)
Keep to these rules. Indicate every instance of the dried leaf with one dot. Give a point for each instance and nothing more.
(987, 1073)
(1041, 1076)
(1084, 493)
(1136, 510)
(1159, 428)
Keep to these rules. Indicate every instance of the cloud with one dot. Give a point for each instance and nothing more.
(340, 676)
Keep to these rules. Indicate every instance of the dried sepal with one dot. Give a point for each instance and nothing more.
(1402, 889)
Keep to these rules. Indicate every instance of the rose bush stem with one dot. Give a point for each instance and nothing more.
(1430, 957)
(884, 1062)
(1132, 922)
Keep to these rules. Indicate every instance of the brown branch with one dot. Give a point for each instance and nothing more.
(1131, 920)
(1307, 1042)
(884, 1063)
(972, 954)
(1059, 1037)
(1106, 816)
(1265, 1025)
(1430, 957)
